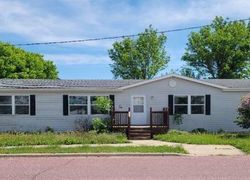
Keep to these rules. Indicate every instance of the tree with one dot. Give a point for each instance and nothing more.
(221, 50)
(16, 63)
(140, 58)
(189, 72)
(243, 119)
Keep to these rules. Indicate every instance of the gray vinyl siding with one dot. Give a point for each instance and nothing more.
(223, 104)
(49, 112)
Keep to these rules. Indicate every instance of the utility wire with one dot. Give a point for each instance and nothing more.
(118, 37)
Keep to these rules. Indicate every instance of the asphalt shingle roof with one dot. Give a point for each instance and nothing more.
(230, 83)
(102, 84)
(58, 84)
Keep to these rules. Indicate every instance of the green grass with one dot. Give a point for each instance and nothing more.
(89, 149)
(22, 139)
(241, 141)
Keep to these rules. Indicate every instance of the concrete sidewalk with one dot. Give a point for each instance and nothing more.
(196, 149)
(192, 149)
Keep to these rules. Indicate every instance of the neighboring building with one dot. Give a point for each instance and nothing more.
(30, 105)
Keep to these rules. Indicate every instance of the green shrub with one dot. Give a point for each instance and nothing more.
(199, 130)
(82, 124)
(243, 119)
(174, 131)
(99, 125)
(49, 129)
(220, 131)
(177, 119)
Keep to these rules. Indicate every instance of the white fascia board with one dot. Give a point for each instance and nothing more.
(172, 76)
(236, 90)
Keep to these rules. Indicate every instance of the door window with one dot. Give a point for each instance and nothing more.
(138, 104)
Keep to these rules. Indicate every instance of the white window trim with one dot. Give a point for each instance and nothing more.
(8, 105)
(88, 104)
(204, 104)
(181, 95)
(132, 103)
(69, 105)
(95, 104)
(189, 103)
(14, 105)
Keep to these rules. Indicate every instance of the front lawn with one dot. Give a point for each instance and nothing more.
(241, 141)
(97, 149)
(21, 139)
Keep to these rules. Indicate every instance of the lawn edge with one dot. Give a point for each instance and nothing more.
(88, 154)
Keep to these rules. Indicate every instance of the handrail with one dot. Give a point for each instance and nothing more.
(129, 122)
(151, 123)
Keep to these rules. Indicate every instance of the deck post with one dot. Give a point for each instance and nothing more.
(167, 118)
(112, 117)
(129, 119)
(151, 123)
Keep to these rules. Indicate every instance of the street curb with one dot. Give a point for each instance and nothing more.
(91, 155)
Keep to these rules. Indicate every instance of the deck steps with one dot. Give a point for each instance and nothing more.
(139, 133)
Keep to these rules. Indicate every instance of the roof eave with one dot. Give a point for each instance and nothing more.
(173, 76)
(93, 90)
(236, 89)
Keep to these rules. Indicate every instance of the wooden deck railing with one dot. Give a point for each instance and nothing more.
(120, 118)
(159, 119)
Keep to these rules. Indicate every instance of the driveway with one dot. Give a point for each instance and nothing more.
(170, 167)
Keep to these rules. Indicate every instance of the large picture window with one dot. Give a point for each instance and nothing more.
(5, 104)
(181, 104)
(197, 104)
(78, 105)
(94, 108)
(22, 104)
(189, 104)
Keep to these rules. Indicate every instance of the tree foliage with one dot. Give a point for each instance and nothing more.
(16, 63)
(104, 104)
(140, 58)
(243, 119)
(189, 72)
(221, 50)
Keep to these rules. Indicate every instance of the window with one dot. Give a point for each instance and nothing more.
(94, 108)
(197, 104)
(5, 104)
(181, 104)
(138, 104)
(78, 105)
(22, 105)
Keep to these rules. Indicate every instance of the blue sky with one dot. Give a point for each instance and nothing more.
(41, 21)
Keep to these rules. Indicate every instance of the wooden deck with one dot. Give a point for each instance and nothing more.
(159, 123)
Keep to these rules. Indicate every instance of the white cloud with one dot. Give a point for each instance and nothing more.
(106, 17)
(76, 59)
(90, 19)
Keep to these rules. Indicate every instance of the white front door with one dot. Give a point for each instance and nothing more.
(138, 111)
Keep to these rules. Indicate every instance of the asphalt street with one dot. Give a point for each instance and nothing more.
(158, 167)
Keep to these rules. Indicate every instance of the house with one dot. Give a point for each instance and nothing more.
(30, 105)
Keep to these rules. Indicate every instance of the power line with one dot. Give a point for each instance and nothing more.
(118, 37)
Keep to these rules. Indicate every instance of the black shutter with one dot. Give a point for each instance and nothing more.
(208, 104)
(170, 104)
(32, 105)
(112, 98)
(65, 105)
